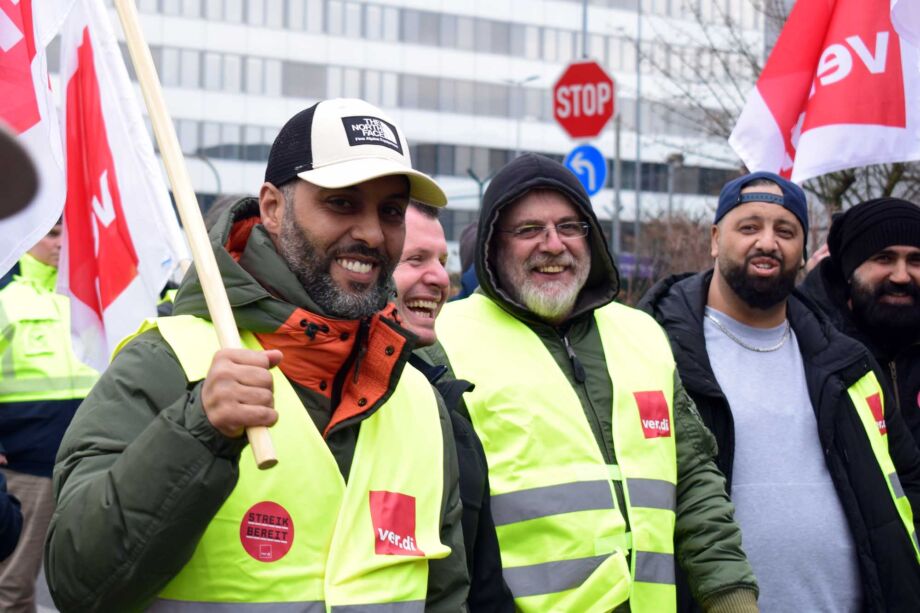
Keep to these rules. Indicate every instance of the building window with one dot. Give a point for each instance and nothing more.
(373, 22)
(255, 12)
(233, 11)
(214, 10)
(390, 24)
(230, 141)
(353, 20)
(389, 90)
(272, 77)
(303, 80)
(233, 68)
(335, 16)
(212, 71)
(351, 83)
(187, 132)
(466, 33)
(274, 14)
(191, 8)
(532, 42)
(372, 87)
(190, 68)
(429, 28)
(169, 67)
(410, 26)
(296, 15)
(501, 37)
(448, 30)
(254, 75)
(172, 7)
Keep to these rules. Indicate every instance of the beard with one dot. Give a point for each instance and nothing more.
(758, 292)
(297, 248)
(551, 301)
(894, 325)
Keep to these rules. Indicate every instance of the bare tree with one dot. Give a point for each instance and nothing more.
(669, 246)
(710, 69)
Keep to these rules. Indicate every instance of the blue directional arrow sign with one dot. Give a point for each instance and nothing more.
(588, 164)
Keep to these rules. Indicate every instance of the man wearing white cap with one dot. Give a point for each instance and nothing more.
(159, 504)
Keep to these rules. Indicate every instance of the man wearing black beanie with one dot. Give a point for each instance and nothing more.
(870, 288)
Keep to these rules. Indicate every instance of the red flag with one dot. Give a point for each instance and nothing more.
(121, 237)
(27, 107)
(841, 89)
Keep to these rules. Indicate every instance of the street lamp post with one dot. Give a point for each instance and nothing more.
(517, 89)
(675, 161)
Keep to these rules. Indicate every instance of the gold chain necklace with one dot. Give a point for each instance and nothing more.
(730, 335)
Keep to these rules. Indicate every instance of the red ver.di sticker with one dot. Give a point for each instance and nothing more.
(653, 412)
(878, 412)
(393, 516)
(267, 531)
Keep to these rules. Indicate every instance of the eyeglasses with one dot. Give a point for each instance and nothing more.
(566, 229)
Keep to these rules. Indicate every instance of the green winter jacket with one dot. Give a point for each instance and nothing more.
(707, 539)
(141, 471)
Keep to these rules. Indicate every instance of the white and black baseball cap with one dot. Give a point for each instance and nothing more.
(343, 142)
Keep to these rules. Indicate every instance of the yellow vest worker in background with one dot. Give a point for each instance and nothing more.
(598, 462)
(41, 385)
(159, 505)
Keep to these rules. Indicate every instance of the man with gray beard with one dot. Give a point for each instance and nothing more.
(159, 503)
(602, 474)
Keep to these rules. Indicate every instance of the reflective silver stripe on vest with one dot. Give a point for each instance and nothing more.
(409, 606)
(654, 567)
(164, 605)
(49, 384)
(896, 485)
(551, 500)
(550, 577)
(652, 494)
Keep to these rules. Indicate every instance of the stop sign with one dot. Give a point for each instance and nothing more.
(583, 99)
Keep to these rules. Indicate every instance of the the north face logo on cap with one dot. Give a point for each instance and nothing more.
(653, 413)
(371, 131)
(393, 516)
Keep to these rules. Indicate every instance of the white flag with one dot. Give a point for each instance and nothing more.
(121, 236)
(27, 108)
(841, 89)
(905, 15)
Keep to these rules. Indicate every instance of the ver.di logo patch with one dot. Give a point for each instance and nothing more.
(653, 413)
(878, 412)
(393, 517)
(267, 531)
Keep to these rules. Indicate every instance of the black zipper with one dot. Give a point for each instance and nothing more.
(894, 383)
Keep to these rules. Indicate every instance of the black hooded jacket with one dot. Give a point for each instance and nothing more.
(833, 362)
(828, 291)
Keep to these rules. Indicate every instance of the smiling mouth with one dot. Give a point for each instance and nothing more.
(424, 308)
(550, 270)
(355, 265)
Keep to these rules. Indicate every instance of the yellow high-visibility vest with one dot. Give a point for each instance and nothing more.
(868, 399)
(297, 535)
(37, 361)
(563, 540)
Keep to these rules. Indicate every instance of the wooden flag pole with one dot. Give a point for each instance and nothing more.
(215, 294)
